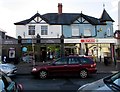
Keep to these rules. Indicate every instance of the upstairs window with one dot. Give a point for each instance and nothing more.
(108, 32)
(31, 29)
(75, 30)
(87, 32)
(44, 30)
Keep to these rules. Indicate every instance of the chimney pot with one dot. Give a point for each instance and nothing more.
(59, 8)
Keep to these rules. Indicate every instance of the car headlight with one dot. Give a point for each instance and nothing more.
(34, 69)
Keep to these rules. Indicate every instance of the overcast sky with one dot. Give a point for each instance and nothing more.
(12, 11)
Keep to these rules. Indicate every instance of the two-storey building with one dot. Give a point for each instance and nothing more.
(67, 33)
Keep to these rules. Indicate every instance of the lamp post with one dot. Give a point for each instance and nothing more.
(32, 33)
(82, 44)
(33, 50)
(62, 45)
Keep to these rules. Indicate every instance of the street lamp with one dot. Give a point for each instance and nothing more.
(82, 44)
(62, 45)
(32, 33)
(33, 49)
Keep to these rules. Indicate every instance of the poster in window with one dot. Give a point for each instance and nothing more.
(12, 53)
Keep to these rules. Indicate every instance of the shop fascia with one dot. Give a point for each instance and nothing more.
(91, 40)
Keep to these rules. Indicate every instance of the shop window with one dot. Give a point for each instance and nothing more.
(44, 30)
(31, 30)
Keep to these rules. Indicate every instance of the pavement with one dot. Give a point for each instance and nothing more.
(25, 68)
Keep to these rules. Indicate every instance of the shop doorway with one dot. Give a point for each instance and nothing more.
(43, 54)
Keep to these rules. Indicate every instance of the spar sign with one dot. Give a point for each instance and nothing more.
(87, 40)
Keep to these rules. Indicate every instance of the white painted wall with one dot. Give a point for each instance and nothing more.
(54, 31)
(20, 29)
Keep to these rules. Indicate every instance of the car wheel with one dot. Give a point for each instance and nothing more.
(43, 74)
(83, 73)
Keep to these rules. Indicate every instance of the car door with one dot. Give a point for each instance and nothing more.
(58, 67)
(73, 65)
(86, 62)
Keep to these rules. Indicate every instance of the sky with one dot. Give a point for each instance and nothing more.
(12, 11)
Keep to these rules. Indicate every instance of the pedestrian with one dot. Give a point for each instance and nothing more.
(43, 55)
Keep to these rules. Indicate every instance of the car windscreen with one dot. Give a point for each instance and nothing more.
(113, 81)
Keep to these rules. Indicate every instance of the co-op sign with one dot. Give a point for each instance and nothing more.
(85, 40)
(90, 40)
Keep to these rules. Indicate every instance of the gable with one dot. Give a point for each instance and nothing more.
(81, 20)
(37, 20)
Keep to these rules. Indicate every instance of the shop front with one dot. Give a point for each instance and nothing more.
(46, 49)
(97, 48)
(52, 48)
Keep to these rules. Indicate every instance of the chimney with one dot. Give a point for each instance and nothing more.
(59, 8)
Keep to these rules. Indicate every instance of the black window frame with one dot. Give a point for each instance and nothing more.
(44, 29)
(31, 29)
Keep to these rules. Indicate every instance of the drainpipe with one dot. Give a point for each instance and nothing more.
(95, 31)
(62, 43)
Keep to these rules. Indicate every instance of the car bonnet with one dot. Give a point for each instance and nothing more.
(97, 85)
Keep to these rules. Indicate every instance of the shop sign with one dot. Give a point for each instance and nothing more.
(109, 40)
(88, 40)
(9, 41)
(50, 40)
(28, 40)
(71, 40)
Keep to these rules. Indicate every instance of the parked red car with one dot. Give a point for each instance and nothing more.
(69, 65)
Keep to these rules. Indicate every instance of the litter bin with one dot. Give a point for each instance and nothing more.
(107, 60)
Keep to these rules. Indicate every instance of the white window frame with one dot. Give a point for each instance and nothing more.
(75, 30)
(44, 30)
(108, 32)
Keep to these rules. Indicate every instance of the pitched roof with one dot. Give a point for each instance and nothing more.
(24, 22)
(67, 18)
(60, 19)
(92, 20)
(105, 17)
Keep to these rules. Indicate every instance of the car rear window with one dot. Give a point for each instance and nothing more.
(73, 60)
(85, 60)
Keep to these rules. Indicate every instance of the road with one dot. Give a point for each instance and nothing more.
(69, 84)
